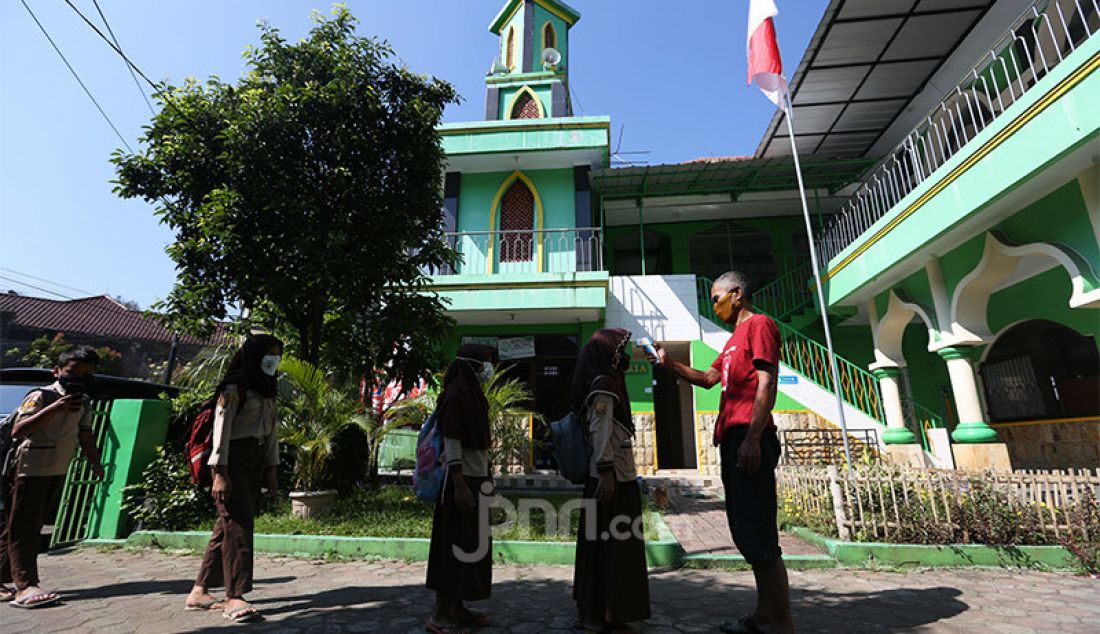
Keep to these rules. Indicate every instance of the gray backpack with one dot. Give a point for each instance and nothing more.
(572, 445)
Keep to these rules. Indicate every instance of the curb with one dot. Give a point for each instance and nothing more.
(665, 552)
(876, 554)
(705, 561)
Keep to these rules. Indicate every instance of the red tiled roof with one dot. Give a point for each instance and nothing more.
(718, 159)
(99, 315)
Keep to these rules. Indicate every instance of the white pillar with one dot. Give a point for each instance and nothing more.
(972, 427)
(896, 431)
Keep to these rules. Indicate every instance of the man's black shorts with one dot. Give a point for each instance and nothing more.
(751, 500)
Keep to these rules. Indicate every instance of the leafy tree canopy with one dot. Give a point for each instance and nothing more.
(308, 193)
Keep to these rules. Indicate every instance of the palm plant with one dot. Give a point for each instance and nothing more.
(509, 412)
(314, 412)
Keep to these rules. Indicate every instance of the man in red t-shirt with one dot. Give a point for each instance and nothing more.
(748, 445)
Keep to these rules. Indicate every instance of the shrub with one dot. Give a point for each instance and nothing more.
(1084, 538)
(165, 499)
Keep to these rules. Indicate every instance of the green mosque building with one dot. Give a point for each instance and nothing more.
(951, 155)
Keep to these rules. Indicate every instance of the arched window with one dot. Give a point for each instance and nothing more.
(526, 106)
(510, 49)
(517, 223)
(549, 37)
(1040, 369)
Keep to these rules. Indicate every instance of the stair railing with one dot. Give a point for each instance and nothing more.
(787, 294)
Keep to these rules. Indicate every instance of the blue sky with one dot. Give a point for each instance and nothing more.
(672, 73)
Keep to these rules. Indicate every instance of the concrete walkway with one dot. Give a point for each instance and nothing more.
(121, 591)
(699, 524)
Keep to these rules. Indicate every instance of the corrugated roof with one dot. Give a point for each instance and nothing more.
(99, 315)
(734, 176)
(867, 60)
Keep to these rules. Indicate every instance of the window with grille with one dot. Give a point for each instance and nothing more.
(525, 107)
(517, 222)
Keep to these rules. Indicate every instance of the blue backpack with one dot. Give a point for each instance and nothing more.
(572, 446)
(430, 468)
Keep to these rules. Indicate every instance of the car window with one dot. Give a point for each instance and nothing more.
(11, 396)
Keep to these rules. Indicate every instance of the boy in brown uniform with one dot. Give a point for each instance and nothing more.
(45, 432)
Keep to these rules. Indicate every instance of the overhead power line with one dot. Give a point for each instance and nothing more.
(76, 76)
(37, 288)
(47, 281)
(133, 75)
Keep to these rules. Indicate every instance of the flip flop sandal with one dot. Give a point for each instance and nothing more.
(247, 614)
(6, 593)
(29, 603)
(475, 619)
(205, 606)
(436, 627)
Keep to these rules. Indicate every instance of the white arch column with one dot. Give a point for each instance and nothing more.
(887, 369)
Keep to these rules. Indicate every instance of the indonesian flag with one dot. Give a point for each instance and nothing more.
(765, 65)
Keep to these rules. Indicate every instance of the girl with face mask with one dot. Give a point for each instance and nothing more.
(459, 558)
(610, 581)
(245, 457)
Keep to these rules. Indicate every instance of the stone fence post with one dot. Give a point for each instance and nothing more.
(838, 503)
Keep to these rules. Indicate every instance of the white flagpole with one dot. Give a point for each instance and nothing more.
(817, 278)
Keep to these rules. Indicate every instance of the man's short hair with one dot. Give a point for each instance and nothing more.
(79, 354)
(735, 279)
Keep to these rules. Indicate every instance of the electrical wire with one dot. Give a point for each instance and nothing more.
(37, 288)
(76, 76)
(133, 75)
(47, 281)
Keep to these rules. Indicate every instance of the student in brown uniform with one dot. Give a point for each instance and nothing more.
(48, 426)
(245, 458)
(610, 581)
(460, 564)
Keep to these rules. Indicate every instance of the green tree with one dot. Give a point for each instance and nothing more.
(44, 351)
(307, 193)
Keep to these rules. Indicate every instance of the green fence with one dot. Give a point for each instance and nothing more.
(79, 495)
(922, 419)
(399, 444)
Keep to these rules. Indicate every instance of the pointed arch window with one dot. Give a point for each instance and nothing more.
(517, 223)
(549, 37)
(526, 106)
(510, 49)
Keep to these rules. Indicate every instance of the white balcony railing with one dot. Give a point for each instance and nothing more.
(1039, 40)
(536, 251)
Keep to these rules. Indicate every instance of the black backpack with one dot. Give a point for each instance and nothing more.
(7, 423)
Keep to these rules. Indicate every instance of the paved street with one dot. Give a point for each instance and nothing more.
(123, 591)
(700, 526)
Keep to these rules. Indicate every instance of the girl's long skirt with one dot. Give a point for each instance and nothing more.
(610, 581)
(468, 574)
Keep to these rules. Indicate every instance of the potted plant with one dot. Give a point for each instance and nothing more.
(314, 412)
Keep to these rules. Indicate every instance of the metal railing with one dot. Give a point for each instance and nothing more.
(858, 387)
(1039, 40)
(786, 294)
(535, 251)
(922, 419)
(80, 494)
(815, 447)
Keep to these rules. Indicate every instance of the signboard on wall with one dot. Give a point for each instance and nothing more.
(485, 341)
(516, 348)
(788, 379)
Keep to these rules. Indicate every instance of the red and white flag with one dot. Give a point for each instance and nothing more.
(765, 64)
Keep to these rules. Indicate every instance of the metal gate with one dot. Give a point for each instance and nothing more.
(80, 494)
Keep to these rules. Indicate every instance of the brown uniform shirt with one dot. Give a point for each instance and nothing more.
(48, 451)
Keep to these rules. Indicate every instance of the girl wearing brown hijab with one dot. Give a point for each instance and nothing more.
(245, 457)
(460, 555)
(610, 581)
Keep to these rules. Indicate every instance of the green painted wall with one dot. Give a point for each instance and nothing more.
(927, 371)
(542, 16)
(1053, 129)
(556, 190)
(958, 263)
(1045, 296)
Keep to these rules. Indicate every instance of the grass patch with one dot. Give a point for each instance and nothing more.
(393, 511)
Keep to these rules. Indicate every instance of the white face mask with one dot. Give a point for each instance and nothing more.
(269, 364)
(486, 371)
